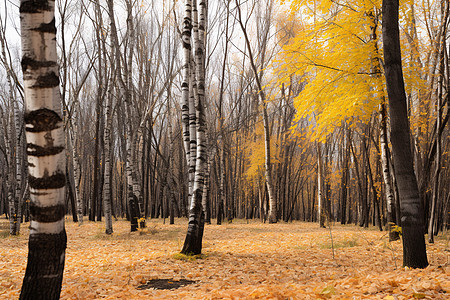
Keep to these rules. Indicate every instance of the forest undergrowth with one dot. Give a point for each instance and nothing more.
(241, 261)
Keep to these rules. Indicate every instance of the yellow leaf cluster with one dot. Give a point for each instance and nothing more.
(339, 53)
(255, 148)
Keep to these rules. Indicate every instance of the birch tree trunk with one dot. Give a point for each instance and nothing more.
(129, 100)
(12, 166)
(76, 165)
(13, 159)
(45, 149)
(411, 206)
(390, 201)
(261, 95)
(268, 167)
(133, 190)
(193, 241)
(320, 199)
(19, 159)
(221, 143)
(107, 209)
(434, 202)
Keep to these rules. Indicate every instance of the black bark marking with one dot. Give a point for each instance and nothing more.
(28, 62)
(42, 120)
(44, 273)
(186, 46)
(34, 6)
(47, 214)
(49, 80)
(47, 27)
(55, 181)
(35, 150)
(199, 51)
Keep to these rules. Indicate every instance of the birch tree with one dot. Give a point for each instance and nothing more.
(13, 130)
(195, 18)
(263, 102)
(45, 149)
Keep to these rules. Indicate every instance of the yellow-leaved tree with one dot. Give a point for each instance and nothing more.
(338, 51)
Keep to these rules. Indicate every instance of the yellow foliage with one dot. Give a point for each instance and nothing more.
(255, 146)
(338, 52)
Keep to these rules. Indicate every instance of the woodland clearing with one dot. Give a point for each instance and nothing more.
(240, 261)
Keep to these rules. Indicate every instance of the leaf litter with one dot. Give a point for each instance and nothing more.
(240, 261)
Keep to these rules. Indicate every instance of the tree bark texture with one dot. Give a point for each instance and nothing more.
(45, 149)
(390, 200)
(194, 236)
(411, 206)
(320, 198)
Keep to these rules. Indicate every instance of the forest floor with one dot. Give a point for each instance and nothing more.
(241, 261)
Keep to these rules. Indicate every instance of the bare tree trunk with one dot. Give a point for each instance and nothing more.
(434, 202)
(320, 199)
(133, 190)
(186, 87)
(268, 166)
(76, 165)
(45, 149)
(411, 206)
(193, 241)
(107, 209)
(12, 147)
(12, 177)
(221, 142)
(19, 159)
(390, 201)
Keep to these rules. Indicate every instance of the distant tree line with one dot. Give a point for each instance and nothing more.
(121, 75)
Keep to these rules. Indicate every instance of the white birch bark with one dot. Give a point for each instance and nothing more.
(129, 100)
(262, 99)
(186, 87)
(193, 241)
(133, 191)
(193, 102)
(13, 160)
(12, 156)
(439, 108)
(76, 164)
(320, 200)
(45, 148)
(19, 158)
(107, 209)
(390, 201)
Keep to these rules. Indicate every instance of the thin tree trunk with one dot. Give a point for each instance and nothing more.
(76, 163)
(193, 241)
(268, 166)
(320, 200)
(432, 221)
(13, 160)
(345, 176)
(186, 86)
(107, 210)
(390, 201)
